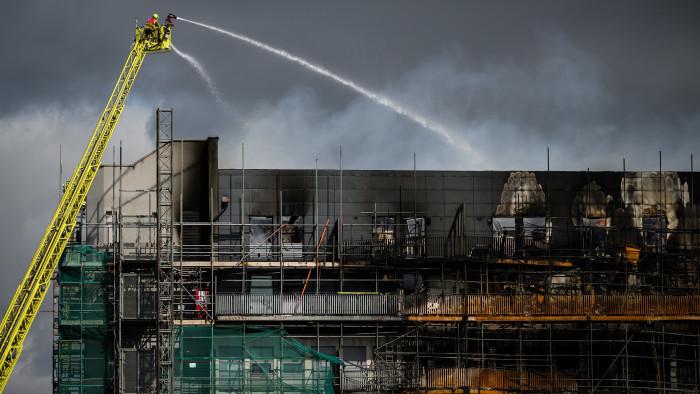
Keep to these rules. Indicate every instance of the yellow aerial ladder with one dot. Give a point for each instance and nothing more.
(27, 300)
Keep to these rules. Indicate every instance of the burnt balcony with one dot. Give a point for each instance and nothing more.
(583, 307)
(429, 307)
(335, 306)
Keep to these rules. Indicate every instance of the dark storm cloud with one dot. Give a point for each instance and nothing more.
(595, 81)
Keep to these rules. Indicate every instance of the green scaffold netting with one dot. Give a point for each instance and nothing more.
(207, 359)
(85, 306)
(231, 360)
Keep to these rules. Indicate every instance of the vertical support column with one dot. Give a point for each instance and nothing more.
(56, 337)
(164, 181)
(590, 356)
(119, 284)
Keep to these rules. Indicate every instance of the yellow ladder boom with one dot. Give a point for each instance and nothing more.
(27, 299)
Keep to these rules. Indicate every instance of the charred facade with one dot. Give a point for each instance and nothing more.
(490, 281)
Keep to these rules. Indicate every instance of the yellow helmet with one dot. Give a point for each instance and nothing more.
(155, 16)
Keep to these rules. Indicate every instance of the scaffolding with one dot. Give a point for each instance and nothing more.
(248, 360)
(208, 359)
(85, 307)
(164, 197)
(517, 293)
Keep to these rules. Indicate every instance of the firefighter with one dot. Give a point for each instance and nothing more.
(153, 21)
(152, 28)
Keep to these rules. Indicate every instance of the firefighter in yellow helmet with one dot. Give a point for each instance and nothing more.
(153, 21)
(153, 28)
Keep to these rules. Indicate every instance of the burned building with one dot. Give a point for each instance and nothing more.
(378, 281)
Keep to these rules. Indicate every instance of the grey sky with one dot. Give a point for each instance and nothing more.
(594, 81)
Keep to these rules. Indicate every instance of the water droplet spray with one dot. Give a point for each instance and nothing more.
(212, 87)
(446, 134)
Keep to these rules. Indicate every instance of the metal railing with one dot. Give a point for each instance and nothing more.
(500, 379)
(369, 250)
(339, 304)
(453, 305)
(441, 247)
(379, 376)
(582, 305)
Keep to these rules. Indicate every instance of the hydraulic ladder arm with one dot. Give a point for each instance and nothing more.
(31, 291)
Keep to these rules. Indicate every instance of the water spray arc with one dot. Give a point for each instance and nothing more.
(212, 87)
(447, 135)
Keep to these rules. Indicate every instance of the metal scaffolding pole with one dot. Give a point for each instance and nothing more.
(164, 120)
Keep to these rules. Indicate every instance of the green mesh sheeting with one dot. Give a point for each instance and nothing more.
(229, 359)
(85, 289)
(85, 306)
(207, 359)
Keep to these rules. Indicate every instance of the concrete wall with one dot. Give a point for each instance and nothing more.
(133, 188)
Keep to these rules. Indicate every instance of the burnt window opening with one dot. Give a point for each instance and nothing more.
(415, 226)
(413, 283)
(595, 233)
(293, 229)
(383, 228)
(260, 229)
(516, 235)
(414, 245)
(292, 236)
(655, 230)
(261, 239)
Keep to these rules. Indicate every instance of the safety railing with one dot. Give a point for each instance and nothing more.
(377, 376)
(453, 305)
(338, 304)
(444, 247)
(499, 379)
(357, 377)
(139, 251)
(371, 250)
(145, 251)
(582, 305)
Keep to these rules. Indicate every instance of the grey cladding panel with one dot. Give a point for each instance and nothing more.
(485, 197)
(483, 181)
(325, 197)
(383, 196)
(434, 182)
(328, 183)
(439, 225)
(293, 195)
(261, 209)
(392, 180)
(356, 183)
(260, 196)
(484, 210)
(385, 183)
(435, 196)
(432, 210)
(292, 182)
(458, 183)
(468, 209)
(452, 196)
(235, 182)
(224, 182)
(356, 196)
(386, 206)
(261, 182)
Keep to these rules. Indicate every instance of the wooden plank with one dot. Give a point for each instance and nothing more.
(435, 318)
